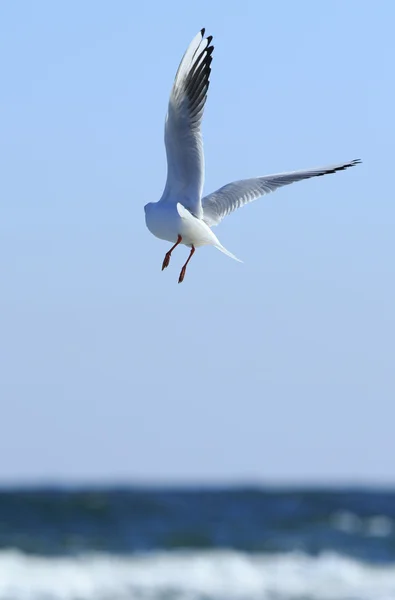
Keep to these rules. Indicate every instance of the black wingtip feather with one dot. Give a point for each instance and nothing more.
(352, 163)
(197, 81)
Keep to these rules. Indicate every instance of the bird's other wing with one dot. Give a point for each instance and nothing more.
(228, 198)
(183, 139)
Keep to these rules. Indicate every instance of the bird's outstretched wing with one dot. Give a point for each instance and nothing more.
(228, 198)
(184, 145)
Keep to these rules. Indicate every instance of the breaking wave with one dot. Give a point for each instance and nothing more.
(191, 575)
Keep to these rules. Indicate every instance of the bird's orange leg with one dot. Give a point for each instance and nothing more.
(166, 260)
(184, 268)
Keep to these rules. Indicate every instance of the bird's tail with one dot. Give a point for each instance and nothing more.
(225, 251)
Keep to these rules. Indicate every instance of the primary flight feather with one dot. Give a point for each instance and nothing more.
(182, 216)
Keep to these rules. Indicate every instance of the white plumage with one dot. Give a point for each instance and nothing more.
(182, 216)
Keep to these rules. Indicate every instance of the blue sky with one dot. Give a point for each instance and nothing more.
(277, 370)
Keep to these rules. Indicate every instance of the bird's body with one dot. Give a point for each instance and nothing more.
(167, 221)
(182, 216)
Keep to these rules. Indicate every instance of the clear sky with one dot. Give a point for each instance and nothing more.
(281, 369)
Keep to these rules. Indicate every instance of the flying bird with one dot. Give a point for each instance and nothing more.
(182, 215)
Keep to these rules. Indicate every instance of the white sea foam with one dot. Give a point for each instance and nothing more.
(217, 575)
(377, 526)
(347, 522)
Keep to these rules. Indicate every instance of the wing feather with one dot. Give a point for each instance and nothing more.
(183, 139)
(228, 198)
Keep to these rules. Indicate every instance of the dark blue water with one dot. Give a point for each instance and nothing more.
(359, 524)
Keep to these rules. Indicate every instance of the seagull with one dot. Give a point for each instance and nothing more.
(182, 215)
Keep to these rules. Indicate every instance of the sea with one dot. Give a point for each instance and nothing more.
(241, 543)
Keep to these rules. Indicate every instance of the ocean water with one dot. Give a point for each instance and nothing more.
(163, 544)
